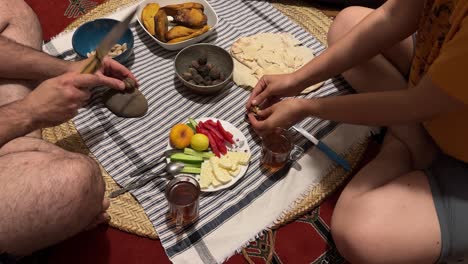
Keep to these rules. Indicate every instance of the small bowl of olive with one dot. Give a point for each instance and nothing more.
(204, 68)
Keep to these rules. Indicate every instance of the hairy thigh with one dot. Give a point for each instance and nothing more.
(29, 144)
(46, 197)
(19, 23)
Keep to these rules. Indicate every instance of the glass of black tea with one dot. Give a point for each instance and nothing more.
(183, 194)
(278, 149)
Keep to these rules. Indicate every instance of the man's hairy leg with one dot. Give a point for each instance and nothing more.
(19, 23)
(46, 198)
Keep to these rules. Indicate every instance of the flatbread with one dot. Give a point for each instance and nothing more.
(268, 53)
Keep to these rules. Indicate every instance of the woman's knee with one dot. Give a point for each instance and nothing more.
(357, 231)
(345, 21)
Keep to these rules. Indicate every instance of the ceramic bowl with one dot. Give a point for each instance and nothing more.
(215, 55)
(208, 10)
(88, 36)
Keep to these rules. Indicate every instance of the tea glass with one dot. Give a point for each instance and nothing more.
(182, 194)
(278, 149)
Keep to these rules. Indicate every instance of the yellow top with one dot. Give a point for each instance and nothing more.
(442, 52)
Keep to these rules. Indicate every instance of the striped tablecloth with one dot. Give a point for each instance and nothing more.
(229, 218)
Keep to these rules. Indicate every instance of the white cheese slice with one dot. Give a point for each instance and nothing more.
(226, 163)
(268, 53)
(220, 174)
(206, 175)
(235, 172)
(242, 158)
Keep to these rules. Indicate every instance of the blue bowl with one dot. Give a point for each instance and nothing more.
(88, 36)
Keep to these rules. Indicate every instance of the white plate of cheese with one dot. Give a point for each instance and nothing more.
(268, 53)
(219, 173)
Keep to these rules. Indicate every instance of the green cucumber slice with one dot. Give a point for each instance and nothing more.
(205, 155)
(186, 158)
(193, 122)
(191, 170)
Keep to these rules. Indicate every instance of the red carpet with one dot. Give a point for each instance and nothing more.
(306, 240)
(55, 15)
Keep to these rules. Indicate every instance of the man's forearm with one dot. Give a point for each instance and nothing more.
(380, 30)
(21, 62)
(15, 121)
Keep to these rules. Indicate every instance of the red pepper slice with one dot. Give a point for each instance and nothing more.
(210, 122)
(220, 144)
(226, 135)
(199, 127)
(214, 131)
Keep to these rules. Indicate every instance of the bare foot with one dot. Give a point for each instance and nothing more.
(102, 217)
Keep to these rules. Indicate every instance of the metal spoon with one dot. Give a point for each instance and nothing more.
(172, 168)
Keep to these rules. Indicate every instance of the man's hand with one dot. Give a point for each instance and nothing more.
(58, 99)
(111, 72)
(273, 86)
(283, 114)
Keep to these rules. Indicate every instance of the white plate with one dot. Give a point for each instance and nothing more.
(238, 137)
(208, 10)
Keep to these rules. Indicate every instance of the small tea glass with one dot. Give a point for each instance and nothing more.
(182, 194)
(278, 149)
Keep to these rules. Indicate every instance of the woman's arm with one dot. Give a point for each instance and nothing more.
(387, 25)
(421, 103)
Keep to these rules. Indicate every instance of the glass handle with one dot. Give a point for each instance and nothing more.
(296, 153)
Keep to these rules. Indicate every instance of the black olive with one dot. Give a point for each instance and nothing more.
(202, 60)
(187, 76)
(195, 64)
(198, 79)
(203, 71)
(218, 81)
(192, 71)
(214, 73)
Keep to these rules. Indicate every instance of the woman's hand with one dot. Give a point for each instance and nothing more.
(273, 86)
(283, 114)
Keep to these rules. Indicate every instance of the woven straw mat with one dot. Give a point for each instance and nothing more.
(126, 213)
